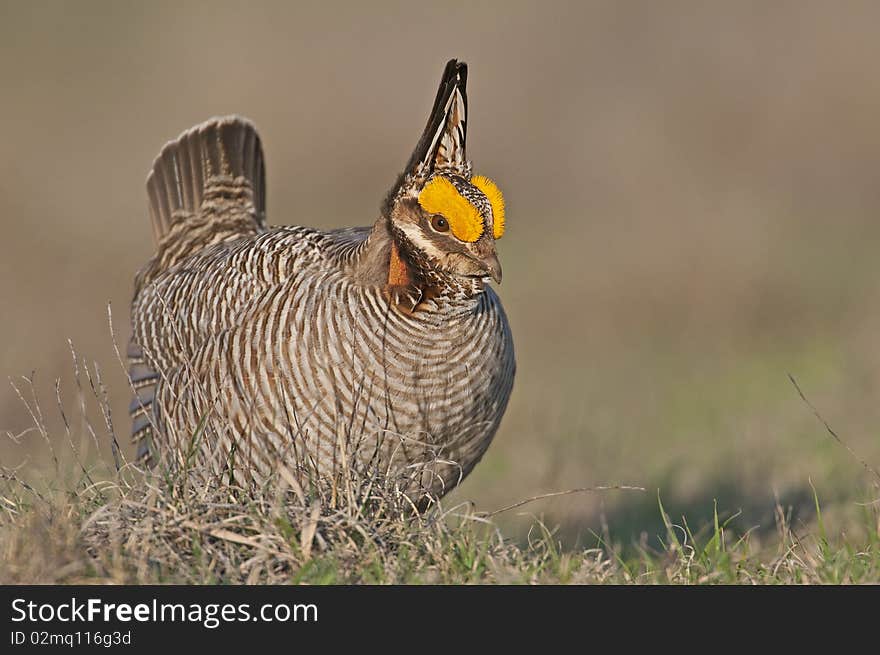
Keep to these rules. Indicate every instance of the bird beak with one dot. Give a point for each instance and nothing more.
(492, 265)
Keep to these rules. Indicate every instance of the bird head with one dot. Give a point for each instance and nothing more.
(443, 218)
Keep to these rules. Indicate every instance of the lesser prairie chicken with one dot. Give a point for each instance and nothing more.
(255, 347)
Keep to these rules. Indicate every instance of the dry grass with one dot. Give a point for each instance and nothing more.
(188, 533)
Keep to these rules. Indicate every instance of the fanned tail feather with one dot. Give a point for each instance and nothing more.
(220, 160)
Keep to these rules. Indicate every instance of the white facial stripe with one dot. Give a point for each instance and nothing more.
(414, 233)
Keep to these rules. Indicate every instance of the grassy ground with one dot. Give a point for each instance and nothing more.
(110, 522)
(184, 531)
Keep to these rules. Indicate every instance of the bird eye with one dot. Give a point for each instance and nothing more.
(440, 224)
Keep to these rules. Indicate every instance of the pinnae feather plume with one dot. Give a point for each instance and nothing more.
(446, 132)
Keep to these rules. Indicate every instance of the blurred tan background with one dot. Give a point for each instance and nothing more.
(694, 211)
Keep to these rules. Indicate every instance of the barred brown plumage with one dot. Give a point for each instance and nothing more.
(290, 346)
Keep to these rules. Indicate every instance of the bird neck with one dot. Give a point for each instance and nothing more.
(386, 259)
